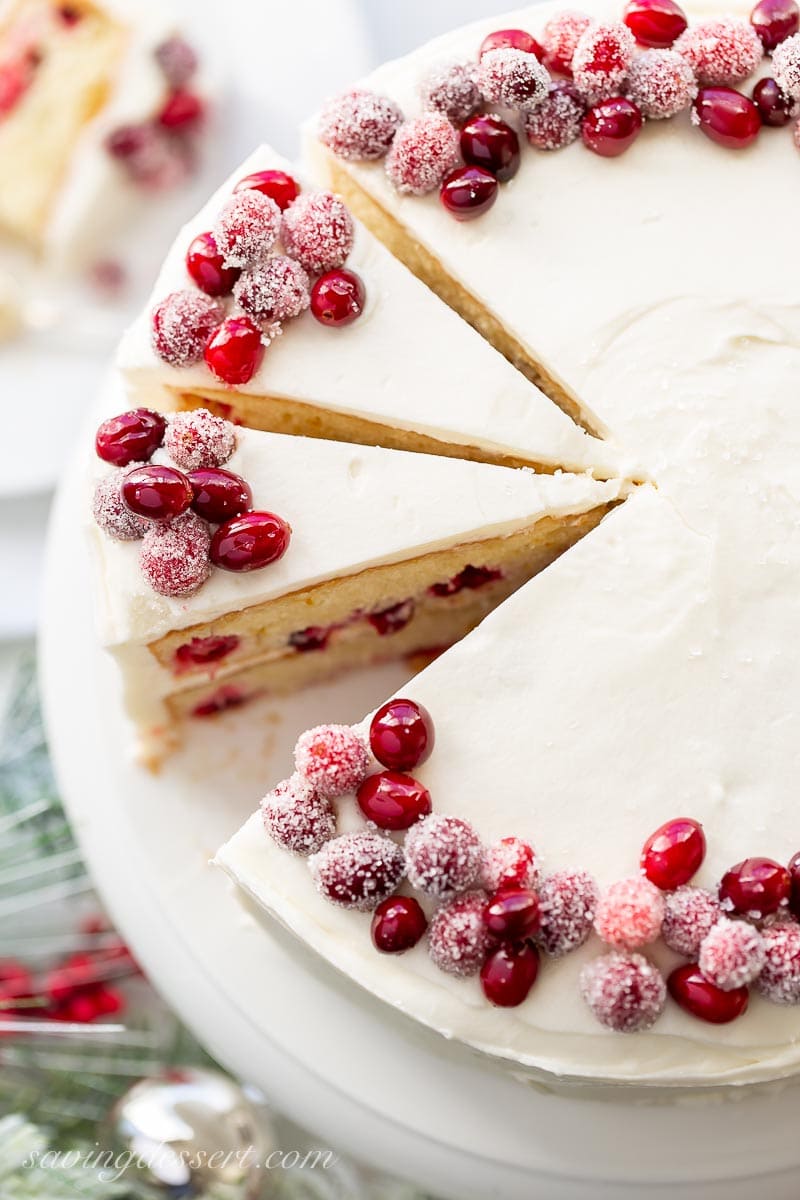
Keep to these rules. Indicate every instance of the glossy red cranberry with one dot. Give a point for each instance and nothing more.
(398, 924)
(488, 142)
(691, 990)
(512, 914)
(794, 875)
(279, 186)
(393, 800)
(182, 110)
(774, 106)
(206, 266)
(509, 973)
(201, 651)
(727, 117)
(338, 297)
(131, 437)
(157, 492)
(250, 542)
(673, 854)
(401, 734)
(774, 21)
(219, 494)
(315, 637)
(655, 22)
(755, 887)
(468, 192)
(391, 620)
(511, 39)
(234, 352)
(610, 127)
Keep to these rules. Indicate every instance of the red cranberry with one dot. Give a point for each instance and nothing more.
(774, 106)
(774, 21)
(398, 924)
(392, 800)
(673, 854)
(182, 110)
(131, 437)
(794, 874)
(338, 297)
(224, 698)
(468, 192)
(250, 542)
(509, 973)
(755, 888)
(234, 352)
(512, 914)
(279, 186)
(692, 991)
(219, 494)
(470, 578)
(610, 127)
(488, 142)
(393, 619)
(513, 39)
(727, 117)
(655, 22)
(16, 76)
(315, 637)
(159, 493)
(200, 652)
(401, 734)
(206, 266)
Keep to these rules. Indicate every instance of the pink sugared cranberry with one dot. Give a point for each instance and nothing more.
(359, 124)
(556, 122)
(199, 439)
(297, 817)
(630, 913)
(149, 156)
(602, 57)
(386, 621)
(661, 83)
(509, 973)
(112, 514)
(401, 734)
(721, 51)
(333, 758)
(458, 940)
(182, 110)
(625, 992)
(567, 907)
(696, 995)
(443, 856)
(219, 494)
(674, 853)
(278, 290)
(398, 924)
(488, 142)
(689, 914)
(468, 192)
(250, 542)
(560, 36)
(731, 954)
(131, 437)
(512, 914)
(182, 324)
(727, 117)
(774, 107)
(157, 492)
(338, 298)
(755, 888)
(318, 231)
(247, 228)
(357, 870)
(234, 352)
(511, 39)
(393, 801)
(207, 268)
(177, 60)
(509, 863)
(786, 66)
(174, 556)
(779, 980)
(424, 150)
(513, 78)
(774, 21)
(655, 22)
(203, 651)
(452, 91)
(611, 126)
(278, 185)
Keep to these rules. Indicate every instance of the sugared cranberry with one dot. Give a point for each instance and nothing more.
(611, 126)
(250, 542)
(357, 870)
(755, 888)
(779, 980)
(150, 157)
(727, 117)
(560, 36)
(182, 110)
(359, 124)
(512, 914)
(174, 555)
(774, 21)
(696, 995)
(602, 57)
(556, 122)
(774, 106)
(219, 494)
(458, 940)
(512, 78)
(509, 863)
(112, 514)
(794, 875)
(488, 142)
(277, 290)
(202, 651)
(721, 51)
(247, 228)
(567, 906)
(674, 853)
(318, 231)
(452, 91)
(689, 915)
(234, 352)
(393, 800)
(509, 973)
(443, 856)
(731, 954)
(401, 734)
(333, 758)
(424, 150)
(661, 83)
(177, 60)
(315, 637)
(625, 992)
(513, 39)
(655, 22)
(198, 439)
(338, 298)
(398, 924)
(468, 192)
(630, 913)
(130, 437)
(207, 268)
(279, 186)
(181, 326)
(786, 66)
(156, 492)
(297, 817)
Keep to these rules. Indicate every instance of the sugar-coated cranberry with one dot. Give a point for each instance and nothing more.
(560, 36)
(234, 352)
(359, 124)
(207, 268)
(625, 992)
(177, 60)
(332, 758)
(452, 91)
(401, 734)
(674, 853)
(488, 142)
(131, 437)
(203, 651)
(779, 980)
(393, 801)
(696, 995)
(278, 185)
(199, 439)
(174, 557)
(424, 150)
(509, 863)
(511, 39)
(338, 298)
(774, 106)
(318, 231)
(250, 542)
(721, 51)
(443, 856)
(182, 110)
(727, 117)
(458, 940)
(247, 228)
(509, 973)
(786, 66)
(774, 21)
(468, 192)
(297, 817)
(357, 870)
(181, 326)
(513, 78)
(398, 924)
(630, 913)
(278, 290)
(602, 57)
(159, 493)
(731, 954)
(567, 907)
(150, 157)
(512, 914)
(611, 126)
(755, 888)
(661, 83)
(689, 915)
(556, 122)
(655, 22)
(219, 495)
(112, 514)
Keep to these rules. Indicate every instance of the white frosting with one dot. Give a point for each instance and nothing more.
(407, 362)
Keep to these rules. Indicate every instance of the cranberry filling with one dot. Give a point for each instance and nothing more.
(222, 699)
(392, 620)
(315, 637)
(16, 76)
(200, 652)
(471, 578)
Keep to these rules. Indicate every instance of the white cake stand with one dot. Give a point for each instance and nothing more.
(363, 1078)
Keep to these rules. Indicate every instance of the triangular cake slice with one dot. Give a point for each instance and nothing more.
(407, 374)
(391, 553)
